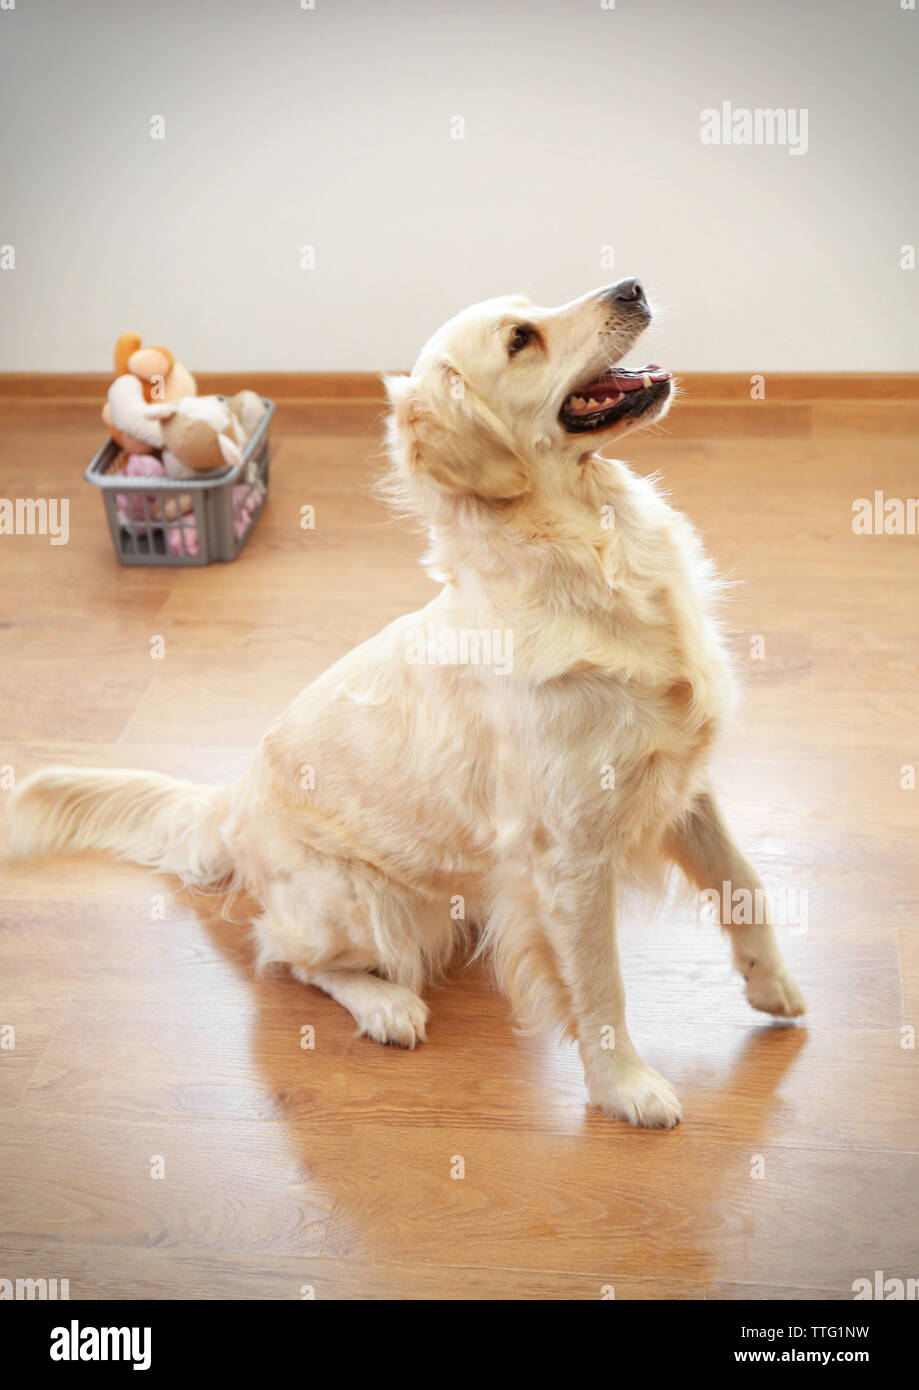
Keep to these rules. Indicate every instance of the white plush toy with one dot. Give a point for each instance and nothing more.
(127, 417)
(203, 433)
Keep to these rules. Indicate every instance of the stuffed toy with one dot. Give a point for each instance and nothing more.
(187, 532)
(246, 502)
(130, 504)
(201, 433)
(142, 375)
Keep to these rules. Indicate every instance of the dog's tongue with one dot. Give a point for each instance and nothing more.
(622, 380)
(612, 387)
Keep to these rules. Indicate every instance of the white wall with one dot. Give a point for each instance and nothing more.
(331, 127)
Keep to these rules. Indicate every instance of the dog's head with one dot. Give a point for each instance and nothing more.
(506, 394)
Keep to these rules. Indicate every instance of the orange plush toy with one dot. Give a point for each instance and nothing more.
(143, 376)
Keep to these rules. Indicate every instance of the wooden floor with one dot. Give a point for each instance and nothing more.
(140, 1031)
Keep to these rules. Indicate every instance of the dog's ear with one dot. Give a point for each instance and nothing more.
(438, 427)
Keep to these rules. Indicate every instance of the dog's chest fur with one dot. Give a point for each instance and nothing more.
(618, 696)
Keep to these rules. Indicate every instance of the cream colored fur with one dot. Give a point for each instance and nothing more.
(400, 806)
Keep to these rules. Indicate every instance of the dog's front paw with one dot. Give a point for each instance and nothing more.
(643, 1097)
(396, 1016)
(773, 991)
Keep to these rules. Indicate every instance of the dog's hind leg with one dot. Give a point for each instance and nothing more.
(334, 923)
(703, 847)
(384, 1011)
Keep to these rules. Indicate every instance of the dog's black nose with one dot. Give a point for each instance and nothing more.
(628, 292)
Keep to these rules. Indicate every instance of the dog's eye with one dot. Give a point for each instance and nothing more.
(523, 334)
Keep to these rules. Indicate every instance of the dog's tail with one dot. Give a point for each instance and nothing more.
(145, 817)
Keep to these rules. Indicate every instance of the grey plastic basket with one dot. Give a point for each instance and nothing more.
(217, 511)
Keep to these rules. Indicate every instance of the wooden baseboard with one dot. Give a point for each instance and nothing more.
(299, 386)
(367, 386)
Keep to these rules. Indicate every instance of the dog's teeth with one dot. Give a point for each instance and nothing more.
(578, 402)
(646, 380)
(591, 401)
(608, 400)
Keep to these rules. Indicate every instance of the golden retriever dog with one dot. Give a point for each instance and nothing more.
(500, 765)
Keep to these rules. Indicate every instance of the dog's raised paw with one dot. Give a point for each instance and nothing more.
(774, 992)
(644, 1098)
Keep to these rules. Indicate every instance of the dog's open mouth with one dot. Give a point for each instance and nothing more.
(616, 395)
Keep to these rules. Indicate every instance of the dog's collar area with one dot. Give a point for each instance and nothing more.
(614, 395)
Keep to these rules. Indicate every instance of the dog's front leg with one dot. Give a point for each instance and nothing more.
(578, 922)
(702, 845)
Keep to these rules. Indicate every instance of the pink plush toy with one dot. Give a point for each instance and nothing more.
(130, 504)
(246, 502)
(189, 532)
